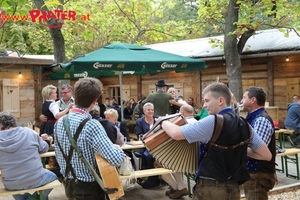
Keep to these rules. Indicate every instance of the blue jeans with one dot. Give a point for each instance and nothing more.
(48, 177)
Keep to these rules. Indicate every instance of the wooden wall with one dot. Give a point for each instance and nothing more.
(188, 86)
(19, 95)
(280, 80)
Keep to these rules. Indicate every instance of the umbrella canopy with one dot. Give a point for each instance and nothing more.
(127, 59)
(68, 72)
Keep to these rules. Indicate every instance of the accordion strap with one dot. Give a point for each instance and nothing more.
(216, 134)
(219, 120)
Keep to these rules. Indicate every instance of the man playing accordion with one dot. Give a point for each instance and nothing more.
(222, 167)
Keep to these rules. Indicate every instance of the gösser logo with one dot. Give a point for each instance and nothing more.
(98, 65)
(166, 65)
(81, 75)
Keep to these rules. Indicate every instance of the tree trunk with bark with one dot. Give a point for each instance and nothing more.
(233, 47)
(232, 57)
(56, 34)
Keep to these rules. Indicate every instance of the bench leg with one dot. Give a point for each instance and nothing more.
(282, 165)
(297, 166)
(44, 162)
(286, 166)
(40, 195)
(293, 161)
(31, 197)
(189, 177)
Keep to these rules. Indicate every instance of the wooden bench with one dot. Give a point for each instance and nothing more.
(290, 156)
(146, 173)
(280, 136)
(4, 192)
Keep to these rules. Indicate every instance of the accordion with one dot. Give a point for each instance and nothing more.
(177, 155)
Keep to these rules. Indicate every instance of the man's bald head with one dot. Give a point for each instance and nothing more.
(187, 110)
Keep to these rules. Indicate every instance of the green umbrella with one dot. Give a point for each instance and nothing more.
(125, 59)
(130, 58)
(70, 73)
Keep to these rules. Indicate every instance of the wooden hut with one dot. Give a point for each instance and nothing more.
(269, 60)
(264, 64)
(20, 79)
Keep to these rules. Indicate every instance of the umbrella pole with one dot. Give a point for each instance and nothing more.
(121, 95)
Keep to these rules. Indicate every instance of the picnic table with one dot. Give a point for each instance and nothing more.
(280, 135)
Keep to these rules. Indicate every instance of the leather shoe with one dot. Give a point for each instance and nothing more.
(179, 193)
(170, 191)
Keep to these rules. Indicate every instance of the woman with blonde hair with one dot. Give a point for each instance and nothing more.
(172, 92)
(51, 109)
(174, 108)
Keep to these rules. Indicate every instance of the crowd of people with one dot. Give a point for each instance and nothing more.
(246, 146)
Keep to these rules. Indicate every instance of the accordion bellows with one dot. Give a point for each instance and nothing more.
(177, 155)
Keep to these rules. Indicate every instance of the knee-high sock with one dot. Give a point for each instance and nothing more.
(179, 180)
(170, 180)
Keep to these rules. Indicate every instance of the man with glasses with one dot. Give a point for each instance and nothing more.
(66, 97)
(65, 100)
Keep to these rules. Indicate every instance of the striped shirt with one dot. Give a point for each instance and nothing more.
(92, 139)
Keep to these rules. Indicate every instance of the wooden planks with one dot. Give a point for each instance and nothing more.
(146, 173)
(54, 184)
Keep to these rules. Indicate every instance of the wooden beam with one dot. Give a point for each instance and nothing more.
(26, 61)
(139, 87)
(270, 80)
(38, 101)
(198, 90)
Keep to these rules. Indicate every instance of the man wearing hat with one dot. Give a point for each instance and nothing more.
(160, 99)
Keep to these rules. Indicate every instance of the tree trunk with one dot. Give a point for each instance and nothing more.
(56, 35)
(58, 44)
(232, 55)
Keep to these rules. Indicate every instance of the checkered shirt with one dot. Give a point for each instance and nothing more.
(92, 139)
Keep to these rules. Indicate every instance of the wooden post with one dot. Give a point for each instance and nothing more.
(38, 100)
(270, 78)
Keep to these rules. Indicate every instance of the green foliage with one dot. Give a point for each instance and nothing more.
(141, 22)
(24, 36)
(263, 14)
(134, 21)
(107, 21)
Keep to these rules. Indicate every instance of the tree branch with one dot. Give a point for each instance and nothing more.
(128, 17)
(286, 27)
(242, 41)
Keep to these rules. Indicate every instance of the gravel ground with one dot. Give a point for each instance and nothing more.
(293, 195)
